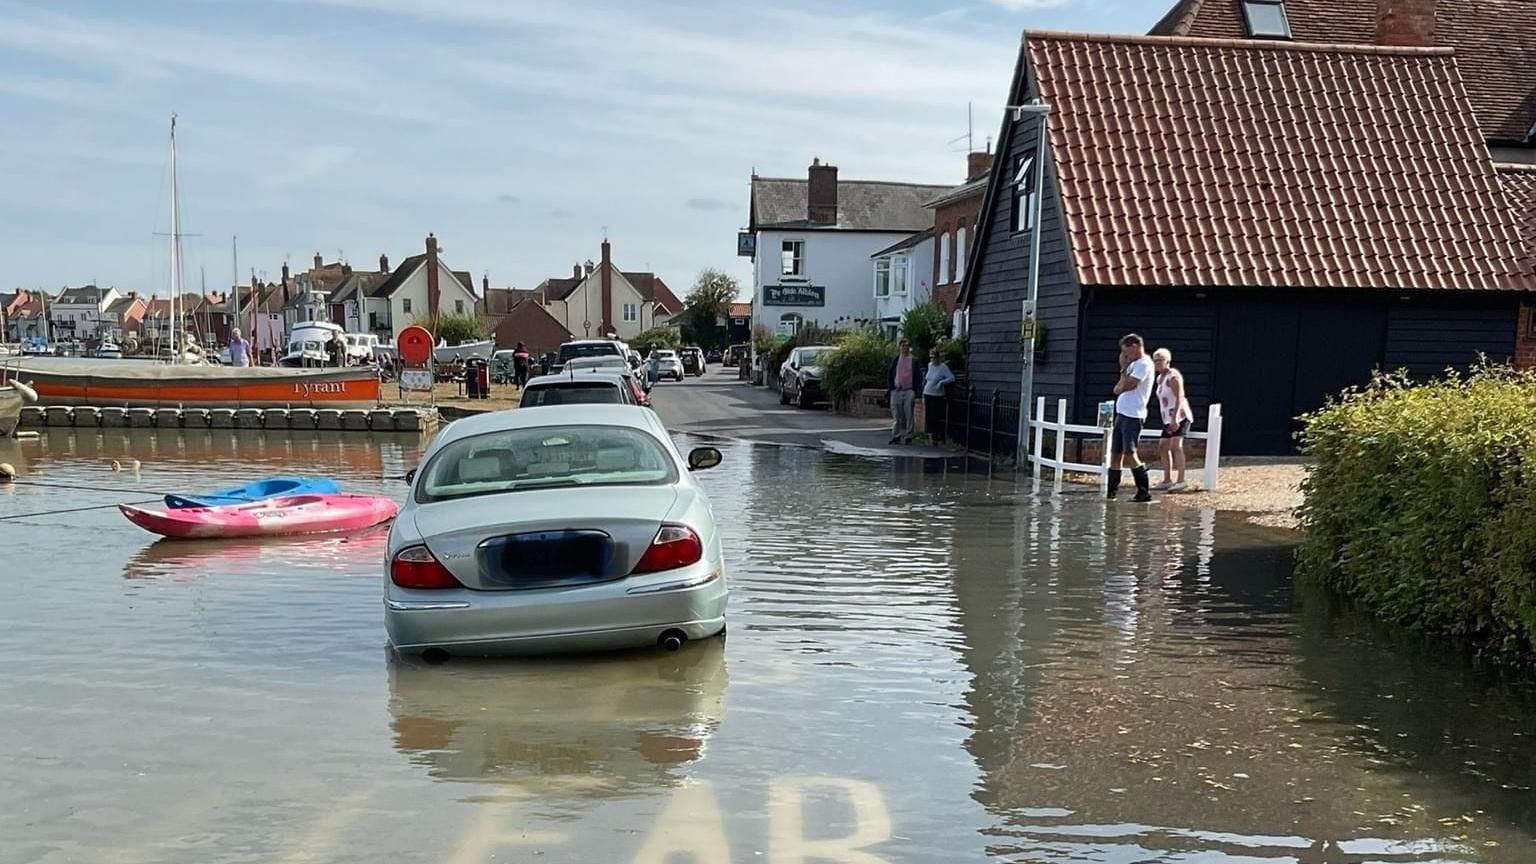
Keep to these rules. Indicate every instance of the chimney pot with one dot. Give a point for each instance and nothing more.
(821, 194)
(383, 263)
(1406, 23)
(576, 270)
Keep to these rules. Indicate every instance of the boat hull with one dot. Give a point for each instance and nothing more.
(261, 490)
(302, 514)
(10, 410)
(137, 384)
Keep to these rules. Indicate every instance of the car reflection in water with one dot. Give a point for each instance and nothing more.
(588, 726)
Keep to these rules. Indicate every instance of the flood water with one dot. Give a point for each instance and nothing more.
(922, 666)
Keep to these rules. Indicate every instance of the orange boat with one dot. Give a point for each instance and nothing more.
(148, 384)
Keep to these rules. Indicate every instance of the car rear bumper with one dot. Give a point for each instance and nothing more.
(626, 613)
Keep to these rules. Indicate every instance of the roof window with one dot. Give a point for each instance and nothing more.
(1266, 19)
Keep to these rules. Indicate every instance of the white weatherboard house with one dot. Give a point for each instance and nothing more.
(420, 286)
(812, 241)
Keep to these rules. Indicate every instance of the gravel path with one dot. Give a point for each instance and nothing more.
(1268, 490)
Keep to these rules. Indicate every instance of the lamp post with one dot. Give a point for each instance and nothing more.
(1028, 324)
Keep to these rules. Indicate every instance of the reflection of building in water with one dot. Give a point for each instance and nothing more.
(599, 726)
(352, 452)
(1129, 674)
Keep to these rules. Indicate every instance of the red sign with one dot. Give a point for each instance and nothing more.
(415, 345)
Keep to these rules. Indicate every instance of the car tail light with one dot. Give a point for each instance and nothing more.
(675, 546)
(635, 389)
(415, 567)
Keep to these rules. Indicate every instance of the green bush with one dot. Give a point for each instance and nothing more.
(1420, 503)
(809, 334)
(924, 326)
(656, 337)
(860, 360)
(952, 352)
(455, 328)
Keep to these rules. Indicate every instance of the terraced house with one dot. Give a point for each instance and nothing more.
(1285, 216)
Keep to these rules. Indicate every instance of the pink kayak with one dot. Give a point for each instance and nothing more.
(296, 514)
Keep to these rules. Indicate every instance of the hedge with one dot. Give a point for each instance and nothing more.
(1420, 503)
(860, 360)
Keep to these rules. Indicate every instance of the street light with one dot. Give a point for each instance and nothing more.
(1028, 326)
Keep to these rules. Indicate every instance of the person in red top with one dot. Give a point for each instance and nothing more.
(900, 379)
(520, 362)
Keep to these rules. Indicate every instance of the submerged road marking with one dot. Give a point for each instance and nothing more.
(787, 843)
(488, 834)
(691, 824)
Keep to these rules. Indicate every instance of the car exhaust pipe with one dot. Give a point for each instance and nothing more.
(672, 640)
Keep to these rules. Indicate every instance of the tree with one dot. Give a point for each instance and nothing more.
(708, 302)
(455, 328)
(925, 326)
(665, 336)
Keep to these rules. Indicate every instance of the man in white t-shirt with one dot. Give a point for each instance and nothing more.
(1132, 393)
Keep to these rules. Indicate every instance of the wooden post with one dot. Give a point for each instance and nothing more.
(1061, 438)
(1104, 461)
(970, 393)
(1039, 425)
(1212, 470)
(992, 425)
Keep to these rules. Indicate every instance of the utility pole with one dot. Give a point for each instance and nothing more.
(1029, 324)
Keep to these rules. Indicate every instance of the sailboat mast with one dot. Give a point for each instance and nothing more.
(175, 248)
(234, 250)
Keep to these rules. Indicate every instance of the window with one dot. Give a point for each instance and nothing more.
(792, 260)
(960, 254)
(1266, 19)
(631, 311)
(458, 306)
(542, 457)
(943, 259)
(882, 277)
(899, 275)
(1024, 191)
(405, 305)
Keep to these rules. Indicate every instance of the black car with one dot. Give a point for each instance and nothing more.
(714, 357)
(800, 377)
(693, 361)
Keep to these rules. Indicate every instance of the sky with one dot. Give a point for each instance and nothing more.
(520, 133)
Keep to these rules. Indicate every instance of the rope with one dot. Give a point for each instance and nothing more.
(74, 510)
(77, 487)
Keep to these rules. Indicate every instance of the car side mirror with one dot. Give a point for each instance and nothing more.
(703, 458)
(410, 476)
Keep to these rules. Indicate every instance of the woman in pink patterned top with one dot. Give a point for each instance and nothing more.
(1177, 417)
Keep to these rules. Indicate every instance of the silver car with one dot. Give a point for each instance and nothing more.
(668, 365)
(571, 528)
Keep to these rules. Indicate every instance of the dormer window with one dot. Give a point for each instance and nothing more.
(1266, 19)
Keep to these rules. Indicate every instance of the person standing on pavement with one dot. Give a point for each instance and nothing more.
(1132, 393)
(239, 349)
(902, 376)
(520, 361)
(934, 382)
(1173, 403)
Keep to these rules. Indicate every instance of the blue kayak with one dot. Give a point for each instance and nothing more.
(272, 487)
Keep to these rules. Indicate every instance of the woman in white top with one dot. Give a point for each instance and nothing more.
(1177, 417)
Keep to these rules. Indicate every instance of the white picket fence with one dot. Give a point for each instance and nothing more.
(1209, 474)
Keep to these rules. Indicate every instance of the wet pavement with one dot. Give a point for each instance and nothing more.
(923, 665)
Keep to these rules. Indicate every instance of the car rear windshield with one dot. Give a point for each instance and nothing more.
(573, 393)
(587, 349)
(546, 457)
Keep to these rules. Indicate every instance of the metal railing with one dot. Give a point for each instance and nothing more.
(982, 423)
(1209, 474)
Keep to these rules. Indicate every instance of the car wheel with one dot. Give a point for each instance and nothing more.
(804, 402)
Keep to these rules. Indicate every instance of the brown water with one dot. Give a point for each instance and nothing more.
(923, 666)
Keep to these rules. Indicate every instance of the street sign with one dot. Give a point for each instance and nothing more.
(746, 244)
(416, 380)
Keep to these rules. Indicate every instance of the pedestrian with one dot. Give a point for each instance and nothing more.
(520, 361)
(336, 349)
(934, 403)
(1173, 403)
(239, 349)
(1132, 393)
(901, 377)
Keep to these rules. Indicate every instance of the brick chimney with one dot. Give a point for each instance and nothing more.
(1405, 23)
(821, 194)
(607, 283)
(285, 283)
(434, 290)
(977, 165)
(576, 270)
(319, 262)
(383, 263)
(485, 285)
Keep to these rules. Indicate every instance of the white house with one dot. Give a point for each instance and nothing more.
(601, 299)
(901, 274)
(77, 312)
(811, 243)
(421, 286)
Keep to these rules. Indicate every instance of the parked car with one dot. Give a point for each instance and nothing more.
(800, 376)
(668, 364)
(714, 356)
(583, 388)
(586, 348)
(563, 529)
(693, 360)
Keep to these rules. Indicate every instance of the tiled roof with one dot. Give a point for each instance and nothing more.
(80, 295)
(653, 289)
(904, 243)
(1520, 185)
(1495, 42)
(558, 288)
(531, 324)
(398, 276)
(500, 301)
(973, 189)
(357, 283)
(861, 205)
(741, 310)
(1269, 164)
(122, 305)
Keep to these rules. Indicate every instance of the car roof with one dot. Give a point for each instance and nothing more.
(627, 416)
(589, 342)
(617, 379)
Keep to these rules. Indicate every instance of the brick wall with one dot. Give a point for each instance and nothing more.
(1525, 342)
(876, 403)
